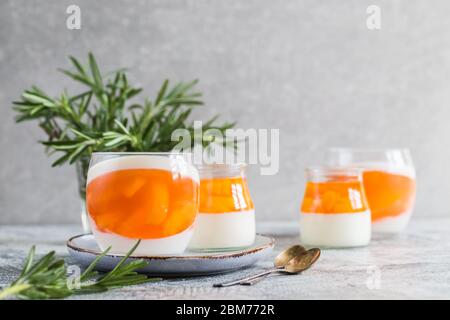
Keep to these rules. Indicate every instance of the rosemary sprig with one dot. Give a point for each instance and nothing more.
(47, 278)
(102, 117)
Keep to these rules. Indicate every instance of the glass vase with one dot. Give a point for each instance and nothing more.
(82, 166)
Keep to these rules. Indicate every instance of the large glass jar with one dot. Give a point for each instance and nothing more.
(334, 212)
(147, 196)
(389, 181)
(226, 218)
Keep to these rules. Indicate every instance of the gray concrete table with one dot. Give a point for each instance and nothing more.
(413, 265)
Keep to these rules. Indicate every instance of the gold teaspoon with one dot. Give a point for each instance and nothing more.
(296, 264)
(280, 261)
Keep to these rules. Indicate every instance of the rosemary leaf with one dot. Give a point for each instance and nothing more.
(105, 117)
(47, 278)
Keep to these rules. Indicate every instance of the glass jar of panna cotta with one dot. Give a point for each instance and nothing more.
(148, 196)
(226, 219)
(334, 212)
(389, 182)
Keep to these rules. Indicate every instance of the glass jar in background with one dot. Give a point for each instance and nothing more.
(334, 212)
(148, 196)
(389, 182)
(226, 218)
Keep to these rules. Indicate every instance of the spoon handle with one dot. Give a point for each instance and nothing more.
(246, 279)
(254, 280)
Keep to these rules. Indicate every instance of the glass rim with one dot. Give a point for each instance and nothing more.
(216, 170)
(221, 165)
(140, 153)
(335, 170)
(368, 150)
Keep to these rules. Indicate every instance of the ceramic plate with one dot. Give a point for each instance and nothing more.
(83, 249)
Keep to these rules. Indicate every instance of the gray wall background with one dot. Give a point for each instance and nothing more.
(310, 68)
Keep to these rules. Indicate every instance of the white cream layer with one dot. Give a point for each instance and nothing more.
(224, 230)
(169, 163)
(392, 224)
(120, 245)
(335, 230)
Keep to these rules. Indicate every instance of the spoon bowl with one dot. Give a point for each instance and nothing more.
(302, 262)
(287, 255)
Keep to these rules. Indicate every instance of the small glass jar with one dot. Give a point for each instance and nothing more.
(148, 196)
(226, 219)
(389, 182)
(334, 212)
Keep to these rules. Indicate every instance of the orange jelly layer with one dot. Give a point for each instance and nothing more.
(229, 194)
(142, 203)
(342, 195)
(388, 194)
